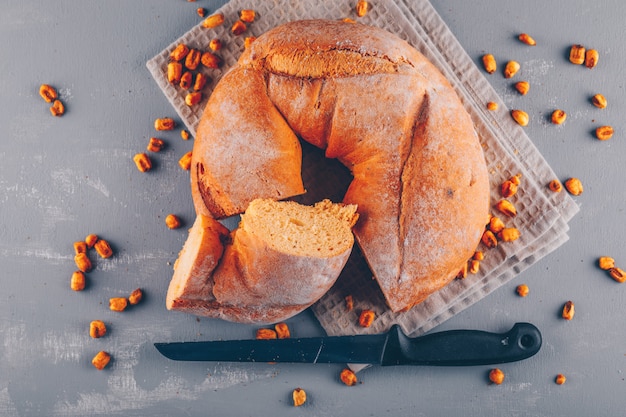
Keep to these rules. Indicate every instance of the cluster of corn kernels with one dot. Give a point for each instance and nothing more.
(50, 95)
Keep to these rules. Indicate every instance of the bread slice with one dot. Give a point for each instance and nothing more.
(281, 259)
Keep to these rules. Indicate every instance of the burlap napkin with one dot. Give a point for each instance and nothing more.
(543, 215)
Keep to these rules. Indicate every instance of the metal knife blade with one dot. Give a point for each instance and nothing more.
(447, 348)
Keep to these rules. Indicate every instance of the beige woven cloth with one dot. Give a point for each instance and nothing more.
(543, 215)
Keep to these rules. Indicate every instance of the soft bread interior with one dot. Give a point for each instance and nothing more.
(322, 230)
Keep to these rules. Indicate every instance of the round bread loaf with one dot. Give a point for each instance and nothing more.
(380, 107)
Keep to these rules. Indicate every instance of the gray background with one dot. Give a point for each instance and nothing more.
(62, 178)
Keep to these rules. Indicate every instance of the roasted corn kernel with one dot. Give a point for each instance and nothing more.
(520, 116)
(238, 28)
(558, 117)
(496, 376)
(366, 318)
(247, 15)
(101, 360)
(118, 304)
(135, 296)
(164, 123)
(489, 62)
(604, 132)
(479, 255)
(349, 302)
(506, 207)
(265, 334)
(192, 60)
(606, 263)
(174, 72)
(193, 98)
(527, 39)
(574, 186)
(185, 80)
(213, 21)
(522, 87)
(97, 329)
(282, 331)
(184, 134)
(48, 93)
(568, 310)
(143, 162)
(155, 145)
(599, 101)
(172, 221)
(199, 82)
(474, 266)
(210, 60)
(361, 8)
(577, 54)
(78, 281)
(57, 109)
(215, 44)
(509, 234)
(560, 379)
(489, 239)
(91, 240)
(201, 11)
(496, 224)
(82, 262)
(522, 290)
(348, 377)
(462, 274)
(80, 247)
(492, 105)
(299, 397)
(618, 275)
(555, 185)
(103, 248)
(179, 53)
(185, 161)
(508, 189)
(511, 68)
(591, 58)
(248, 41)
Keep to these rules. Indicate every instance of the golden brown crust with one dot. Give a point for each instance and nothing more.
(375, 103)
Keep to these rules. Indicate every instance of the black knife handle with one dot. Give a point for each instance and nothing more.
(462, 347)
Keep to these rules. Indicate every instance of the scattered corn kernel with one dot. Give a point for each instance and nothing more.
(348, 20)
(247, 15)
(462, 274)
(184, 134)
(361, 8)
(496, 225)
(591, 58)
(210, 60)
(496, 376)
(215, 44)
(265, 334)
(511, 68)
(91, 240)
(164, 123)
(179, 53)
(522, 87)
(516, 179)
(193, 98)
(101, 360)
(522, 290)
(185, 80)
(366, 318)
(474, 266)
(172, 221)
(80, 247)
(97, 329)
(192, 60)
(48, 93)
(213, 21)
(555, 185)
(568, 310)
(492, 105)
(509, 234)
(348, 377)
(560, 379)
(174, 72)
(489, 239)
(520, 116)
(103, 248)
(479, 255)
(574, 186)
(506, 207)
(508, 188)
(299, 397)
(78, 281)
(143, 162)
(599, 101)
(604, 132)
(82, 262)
(606, 262)
(135, 296)
(577, 54)
(618, 275)
(185, 161)
(201, 11)
(238, 28)
(200, 82)
(489, 62)
(57, 109)
(282, 331)
(118, 304)
(349, 302)
(155, 145)
(248, 41)
(558, 117)
(527, 39)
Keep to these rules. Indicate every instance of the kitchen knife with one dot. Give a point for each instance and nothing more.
(446, 348)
